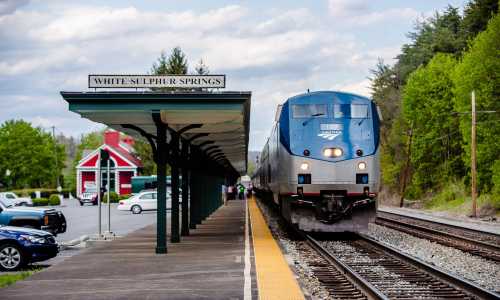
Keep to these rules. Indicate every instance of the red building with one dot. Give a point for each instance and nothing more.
(123, 165)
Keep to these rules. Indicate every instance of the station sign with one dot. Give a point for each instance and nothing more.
(157, 81)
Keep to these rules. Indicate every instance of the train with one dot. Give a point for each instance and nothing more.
(320, 164)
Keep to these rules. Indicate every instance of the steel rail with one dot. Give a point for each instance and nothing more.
(475, 247)
(362, 284)
(450, 226)
(453, 280)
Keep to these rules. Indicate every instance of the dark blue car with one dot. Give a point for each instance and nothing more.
(21, 246)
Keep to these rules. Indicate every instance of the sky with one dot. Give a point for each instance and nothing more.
(275, 49)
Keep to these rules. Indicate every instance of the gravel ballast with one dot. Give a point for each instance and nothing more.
(481, 271)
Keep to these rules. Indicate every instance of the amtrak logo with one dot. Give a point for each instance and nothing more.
(330, 131)
(329, 136)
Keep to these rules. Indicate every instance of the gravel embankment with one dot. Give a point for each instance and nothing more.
(481, 271)
(307, 280)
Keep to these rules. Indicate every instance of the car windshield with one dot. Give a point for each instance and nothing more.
(10, 196)
(7, 202)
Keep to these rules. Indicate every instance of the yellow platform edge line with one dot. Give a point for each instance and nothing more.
(275, 279)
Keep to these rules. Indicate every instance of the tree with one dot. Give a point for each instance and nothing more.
(176, 64)
(476, 16)
(30, 156)
(144, 152)
(427, 105)
(479, 71)
(201, 68)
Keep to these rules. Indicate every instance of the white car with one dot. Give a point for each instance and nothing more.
(18, 201)
(145, 200)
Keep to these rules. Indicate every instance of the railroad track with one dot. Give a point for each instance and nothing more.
(362, 268)
(478, 243)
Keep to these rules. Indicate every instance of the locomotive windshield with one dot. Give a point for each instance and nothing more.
(309, 110)
(351, 111)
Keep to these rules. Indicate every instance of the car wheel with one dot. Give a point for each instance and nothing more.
(81, 203)
(136, 209)
(11, 257)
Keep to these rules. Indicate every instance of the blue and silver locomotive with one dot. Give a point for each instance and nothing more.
(321, 161)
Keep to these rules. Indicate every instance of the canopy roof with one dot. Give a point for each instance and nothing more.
(224, 117)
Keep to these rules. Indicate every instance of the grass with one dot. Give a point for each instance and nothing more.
(8, 279)
(454, 198)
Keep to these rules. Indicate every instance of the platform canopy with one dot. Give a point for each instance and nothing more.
(220, 120)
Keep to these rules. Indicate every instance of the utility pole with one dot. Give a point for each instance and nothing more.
(473, 157)
(55, 154)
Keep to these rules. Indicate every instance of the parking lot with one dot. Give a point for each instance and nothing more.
(82, 220)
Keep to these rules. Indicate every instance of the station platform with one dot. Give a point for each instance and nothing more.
(490, 227)
(231, 255)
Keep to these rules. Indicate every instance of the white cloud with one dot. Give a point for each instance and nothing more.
(274, 54)
(362, 87)
(9, 6)
(359, 13)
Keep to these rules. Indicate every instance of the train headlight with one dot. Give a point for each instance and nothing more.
(304, 166)
(362, 165)
(332, 152)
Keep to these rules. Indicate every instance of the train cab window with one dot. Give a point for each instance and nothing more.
(350, 111)
(359, 111)
(309, 110)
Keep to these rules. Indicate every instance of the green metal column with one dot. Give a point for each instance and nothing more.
(175, 237)
(194, 200)
(185, 189)
(161, 173)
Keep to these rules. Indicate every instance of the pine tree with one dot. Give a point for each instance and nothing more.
(201, 68)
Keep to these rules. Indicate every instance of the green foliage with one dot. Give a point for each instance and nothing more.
(476, 16)
(176, 63)
(125, 196)
(479, 71)
(436, 85)
(427, 103)
(29, 154)
(452, 196)
(40, 202)
(143, 150)
(8, 279)
(113, 197)
(54, 200)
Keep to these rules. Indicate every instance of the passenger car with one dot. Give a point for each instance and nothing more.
(145, 200)
(21, 246)
(47, 219)
(24, 201)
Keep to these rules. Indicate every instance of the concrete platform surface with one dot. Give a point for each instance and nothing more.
(208, 264)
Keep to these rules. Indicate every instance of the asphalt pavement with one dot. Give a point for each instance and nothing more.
(83, 220)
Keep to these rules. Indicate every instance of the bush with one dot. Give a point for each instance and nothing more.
(113, 197)
(54, 199)
(40, 202)
(123, 197)
(44, 192)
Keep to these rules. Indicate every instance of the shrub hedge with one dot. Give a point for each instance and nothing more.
(40, 202)
(113, 197)
(54, 199)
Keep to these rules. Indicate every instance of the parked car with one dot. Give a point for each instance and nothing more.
(90, 198)
(22, 246)
(19, 201)
(145, 200)
(47, 219)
